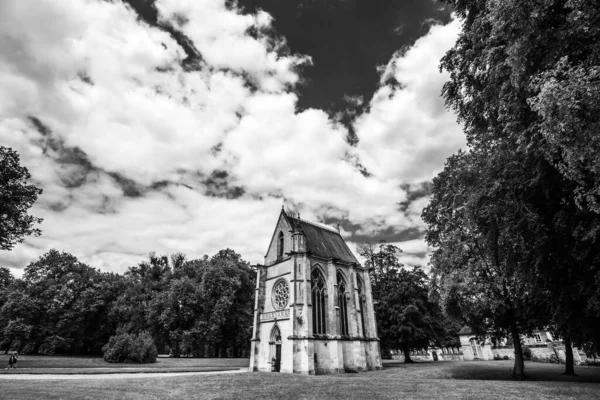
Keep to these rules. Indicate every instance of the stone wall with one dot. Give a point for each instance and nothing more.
(428, 356)
(501, 353)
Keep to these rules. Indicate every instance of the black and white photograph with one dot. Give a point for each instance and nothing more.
(299, 199)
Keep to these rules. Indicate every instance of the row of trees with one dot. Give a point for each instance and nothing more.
(186, 307)
(197, 307)
(516, 218)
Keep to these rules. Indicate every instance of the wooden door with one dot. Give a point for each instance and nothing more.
(277, 357)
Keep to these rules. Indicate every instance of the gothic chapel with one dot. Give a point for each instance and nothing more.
(313, 311)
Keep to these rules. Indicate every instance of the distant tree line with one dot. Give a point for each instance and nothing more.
(201, 307)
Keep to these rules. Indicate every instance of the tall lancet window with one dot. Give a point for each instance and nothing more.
(361, 291)
(319, 302)
(280, 245)
(342, 303)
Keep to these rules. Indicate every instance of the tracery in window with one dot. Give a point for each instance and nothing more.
(280, 294)
(319, 305)
(275, 334)
(342, 303)
(361, 292)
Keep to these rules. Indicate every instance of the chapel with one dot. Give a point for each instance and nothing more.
(313, 310)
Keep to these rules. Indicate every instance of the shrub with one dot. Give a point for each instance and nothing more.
(506, 357)
(54, 345)
(29, 348)
(527, 354)
(130, 348)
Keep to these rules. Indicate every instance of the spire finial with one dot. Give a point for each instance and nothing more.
(298, 214)
(338, 226)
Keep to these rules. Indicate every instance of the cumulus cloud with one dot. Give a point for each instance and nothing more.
(408, 133)
(137, 152)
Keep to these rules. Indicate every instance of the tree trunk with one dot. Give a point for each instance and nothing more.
(406, 352)
(519, 368)
(569, 363)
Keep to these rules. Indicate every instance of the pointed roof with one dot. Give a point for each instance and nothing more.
(465, 330)
(321, 240)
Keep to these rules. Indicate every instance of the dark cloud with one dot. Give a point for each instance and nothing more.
(390, 235)
(147, 12)
(85, 77)
(218, 185)
(415, 192)
(74, 166)
(355, 161)
(129, 187)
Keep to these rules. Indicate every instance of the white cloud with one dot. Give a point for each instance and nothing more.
(408, 134)
(113, 86)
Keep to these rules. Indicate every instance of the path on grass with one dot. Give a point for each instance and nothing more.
(115, 376)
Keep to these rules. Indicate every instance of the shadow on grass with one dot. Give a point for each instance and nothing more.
(500, 370)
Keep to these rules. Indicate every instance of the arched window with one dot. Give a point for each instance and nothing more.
(280, 245)
(275, 334)
(319, 304)
(361, 291)
(280, 295)
(343, 304)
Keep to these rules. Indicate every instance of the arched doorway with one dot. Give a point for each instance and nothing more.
(275, 343)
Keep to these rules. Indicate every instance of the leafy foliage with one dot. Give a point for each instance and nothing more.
(516, 218)
(16, 197)
(199, 307)
(130, 348)
(406, 317)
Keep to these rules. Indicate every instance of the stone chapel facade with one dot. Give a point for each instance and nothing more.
(313, 310)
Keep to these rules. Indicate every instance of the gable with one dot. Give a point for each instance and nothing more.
(284, 227)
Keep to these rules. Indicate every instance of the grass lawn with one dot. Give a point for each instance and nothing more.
(36, 364)
(448, 380)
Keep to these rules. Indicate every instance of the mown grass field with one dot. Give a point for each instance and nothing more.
(36, 364)
(447, 380)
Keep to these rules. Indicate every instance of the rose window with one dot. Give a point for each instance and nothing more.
(281, 295)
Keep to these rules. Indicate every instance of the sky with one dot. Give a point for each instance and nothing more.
(185, 126)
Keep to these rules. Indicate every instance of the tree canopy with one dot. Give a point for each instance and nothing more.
(198, 307)
(520, 207)
(407, 318)
(16, 198)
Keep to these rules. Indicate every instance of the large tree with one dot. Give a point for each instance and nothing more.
(60, 305)
(16, 198)
(525, 78)
(480, 229)
(196, 307)
(407, 318)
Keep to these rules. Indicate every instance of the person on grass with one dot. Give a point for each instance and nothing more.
(12, 361)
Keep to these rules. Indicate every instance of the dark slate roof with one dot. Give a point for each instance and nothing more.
(322, 241)
(465, 330)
